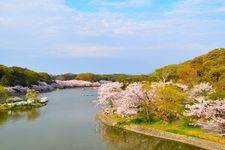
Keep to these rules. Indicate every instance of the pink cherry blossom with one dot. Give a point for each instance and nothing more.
(206, 113)
(77, 83)
(201, 88)
(124, 102)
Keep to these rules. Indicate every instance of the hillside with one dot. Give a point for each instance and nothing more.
(11, 76)
(206, 68)
(125, 78)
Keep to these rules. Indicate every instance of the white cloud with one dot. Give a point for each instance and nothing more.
(53, 16)
(193, 8)
(119, 3)
(51, 26)
(84, 50)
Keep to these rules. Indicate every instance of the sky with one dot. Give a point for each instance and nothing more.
(107, 36)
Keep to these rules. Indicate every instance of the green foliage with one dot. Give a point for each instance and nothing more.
(206, 68)
(214, 74)
(166, 73)
(42, 76)
(122, 121)
(66, 76)
(168, 103)
(124, 78)
(3, 92)
(187, 74)
(7, 80)
(179, 127)
(11, 76)
(217, 95)
(86, 77)
(32, 94)
(164, 103)
(141, 119)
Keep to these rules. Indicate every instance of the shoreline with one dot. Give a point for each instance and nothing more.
(201, 143)
(3, 107)
(43, 87)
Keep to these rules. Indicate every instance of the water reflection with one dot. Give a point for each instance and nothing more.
(3, 117)
(118, 139)
(29, 115)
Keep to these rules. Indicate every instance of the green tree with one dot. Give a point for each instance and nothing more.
(3, 93)
(187, 74)
(33, 94)
(166, 73)
(86, 77)
(7, 80)
(11, 76)
(168, 102)
(42, 76)
(66, 76)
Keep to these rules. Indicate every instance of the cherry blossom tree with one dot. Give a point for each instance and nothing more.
(131, 99)
(204, 112)
(124, 102)
(166, 101)
(209, 114)
(201, 89)
(110, 93)
(76, 83)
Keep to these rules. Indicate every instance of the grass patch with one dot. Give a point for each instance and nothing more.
(180, 127)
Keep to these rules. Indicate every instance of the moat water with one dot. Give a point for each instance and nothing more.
(69, 122)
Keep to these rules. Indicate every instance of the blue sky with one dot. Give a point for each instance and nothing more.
(107, 36)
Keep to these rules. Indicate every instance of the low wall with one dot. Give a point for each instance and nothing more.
(162, 134)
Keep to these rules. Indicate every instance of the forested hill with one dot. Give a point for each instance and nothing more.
(11, 76)
(125, 78)
(206, 68)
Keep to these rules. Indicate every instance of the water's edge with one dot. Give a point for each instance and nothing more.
(162, 134)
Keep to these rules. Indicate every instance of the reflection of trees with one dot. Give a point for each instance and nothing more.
(30, 115)
(3, 117)
(118, 139)
(33, 114)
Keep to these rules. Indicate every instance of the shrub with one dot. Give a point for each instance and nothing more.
(139, 119)
(32, 94)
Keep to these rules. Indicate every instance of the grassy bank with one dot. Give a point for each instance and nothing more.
(178, 127)
(20, 107)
